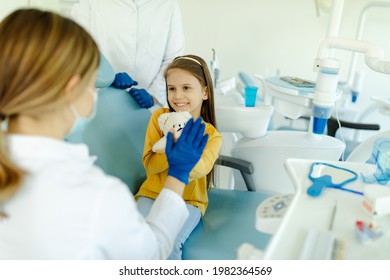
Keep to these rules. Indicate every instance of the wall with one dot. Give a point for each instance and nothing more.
(60, 6)
(263, 36)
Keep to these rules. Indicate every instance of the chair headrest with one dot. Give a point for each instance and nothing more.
(105, 74)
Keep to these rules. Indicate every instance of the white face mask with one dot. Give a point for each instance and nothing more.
(80, 123)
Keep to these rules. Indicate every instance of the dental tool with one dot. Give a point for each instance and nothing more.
(246, 79)
(215, 71)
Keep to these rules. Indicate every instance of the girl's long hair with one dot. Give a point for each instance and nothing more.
(198, 67)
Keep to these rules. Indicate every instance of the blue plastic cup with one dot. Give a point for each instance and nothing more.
(250, 96)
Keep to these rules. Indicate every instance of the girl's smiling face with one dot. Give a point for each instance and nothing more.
(185, 92)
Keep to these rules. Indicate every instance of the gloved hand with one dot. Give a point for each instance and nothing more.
(123, 80)
(183, 155)
(143, 98)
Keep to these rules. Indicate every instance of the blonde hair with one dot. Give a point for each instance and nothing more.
(40, 52)
(198, 68)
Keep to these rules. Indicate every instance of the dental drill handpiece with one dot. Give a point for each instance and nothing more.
(214, 68)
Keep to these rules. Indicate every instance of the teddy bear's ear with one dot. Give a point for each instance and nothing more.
(162, 119)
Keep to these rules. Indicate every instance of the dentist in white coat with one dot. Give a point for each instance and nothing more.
(139, 38)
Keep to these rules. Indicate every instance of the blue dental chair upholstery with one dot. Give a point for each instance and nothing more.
(116, 136)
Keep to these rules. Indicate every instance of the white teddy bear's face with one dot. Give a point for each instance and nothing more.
(175, 121)
(178, 127)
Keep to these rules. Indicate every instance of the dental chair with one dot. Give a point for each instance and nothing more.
(333, 126)
(364, 150)
(116, 136)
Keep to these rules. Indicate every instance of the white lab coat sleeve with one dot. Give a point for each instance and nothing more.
(174, 47)
(121, 232)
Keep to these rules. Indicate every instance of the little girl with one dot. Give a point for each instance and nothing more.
(189, 88)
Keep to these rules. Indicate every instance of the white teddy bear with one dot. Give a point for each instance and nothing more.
(167, 121)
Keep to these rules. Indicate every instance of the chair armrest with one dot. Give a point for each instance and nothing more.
(333, 126)
(245, 167)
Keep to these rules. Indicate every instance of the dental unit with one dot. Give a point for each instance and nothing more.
(268, 150)
(325, 94)
(320, 102)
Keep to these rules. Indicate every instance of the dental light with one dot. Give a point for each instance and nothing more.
(359, 32)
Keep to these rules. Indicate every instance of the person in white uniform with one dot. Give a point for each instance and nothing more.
(54, 202)
(139, 38)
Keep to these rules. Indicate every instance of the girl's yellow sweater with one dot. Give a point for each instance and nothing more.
(156, 165)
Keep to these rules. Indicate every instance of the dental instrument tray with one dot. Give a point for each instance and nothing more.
(298, 82)
(311, 228)
(289, 100)
(277, 83)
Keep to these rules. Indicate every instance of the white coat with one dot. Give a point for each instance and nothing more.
(140, 37)
(67, 208)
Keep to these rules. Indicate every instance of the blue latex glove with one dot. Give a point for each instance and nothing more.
(143, 98)
(183, 155)
(123, 80)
